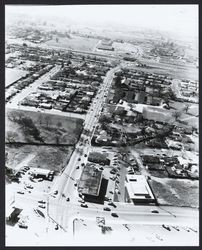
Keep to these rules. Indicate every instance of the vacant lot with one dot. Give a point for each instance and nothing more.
(74, 43)
(41, 128)
(13, 75)
(176, 192)
(53, 158)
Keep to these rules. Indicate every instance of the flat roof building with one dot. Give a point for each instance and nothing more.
(139, 190)
(92, 184)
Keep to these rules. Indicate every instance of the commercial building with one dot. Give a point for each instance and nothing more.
(92, 184)
(42, 173)
(139, 190)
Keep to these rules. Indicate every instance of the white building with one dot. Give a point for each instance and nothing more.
(139, 190)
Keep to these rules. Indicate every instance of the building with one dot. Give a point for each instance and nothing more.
(139, 190)
(92, 184)
(157, 114)
(46, 174)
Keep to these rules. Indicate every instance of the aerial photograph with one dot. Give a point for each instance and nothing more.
(101, 125)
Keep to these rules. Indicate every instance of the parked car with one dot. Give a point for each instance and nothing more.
(77, 167)
(20, 192)
(114, 215)
(55, 192)
(68, 199)
(42, 206)
(84, 205)
(112, 204)
(22, 225)
(42, 201)
(106, 209)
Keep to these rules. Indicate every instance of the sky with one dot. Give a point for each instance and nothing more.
(179, 19)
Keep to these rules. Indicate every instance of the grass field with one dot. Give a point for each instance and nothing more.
(53, 158)
(74, 43)
(176, 192)
(53, 129)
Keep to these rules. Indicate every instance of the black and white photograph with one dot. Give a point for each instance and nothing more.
(101, 125)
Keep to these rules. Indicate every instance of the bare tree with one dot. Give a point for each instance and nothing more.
(176, 115)
(187, 107)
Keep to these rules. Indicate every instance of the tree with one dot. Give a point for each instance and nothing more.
(176, 115)
(187, 107)
(48, 121)
(59, 124)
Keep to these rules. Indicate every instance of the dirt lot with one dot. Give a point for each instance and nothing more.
(47, 157)
(74, 43)
(52, 129)
(176, 192)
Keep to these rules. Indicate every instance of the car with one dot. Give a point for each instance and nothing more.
(101, 168)
(155, 211)
(79, 159)
(29, 186)
(114, 215)
(56, 227)
(112, 204)
(106, 209)
(26, 167)
(84, 205)
(22, 225)
(111, 192)
(82, 164)
(166, 227)
(20, 192)
(77, 167)
(75, 184)
(68, 199)
(42, 206)
(55, 192)
(85, 155)
(42, 201)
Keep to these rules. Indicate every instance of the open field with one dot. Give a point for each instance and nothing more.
(176, 192)
(53, 158)
(74, 43)
(41, 128)
(13, 75)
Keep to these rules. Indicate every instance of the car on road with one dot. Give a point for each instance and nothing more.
(56, 227)
(42, 201)
(114, 215)
(22, 225)
(20, 192)
(101, 168)
(106, 209)
(84, 205)
(42, 206)
(111, 192)
(112, 204)
(155, 211)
